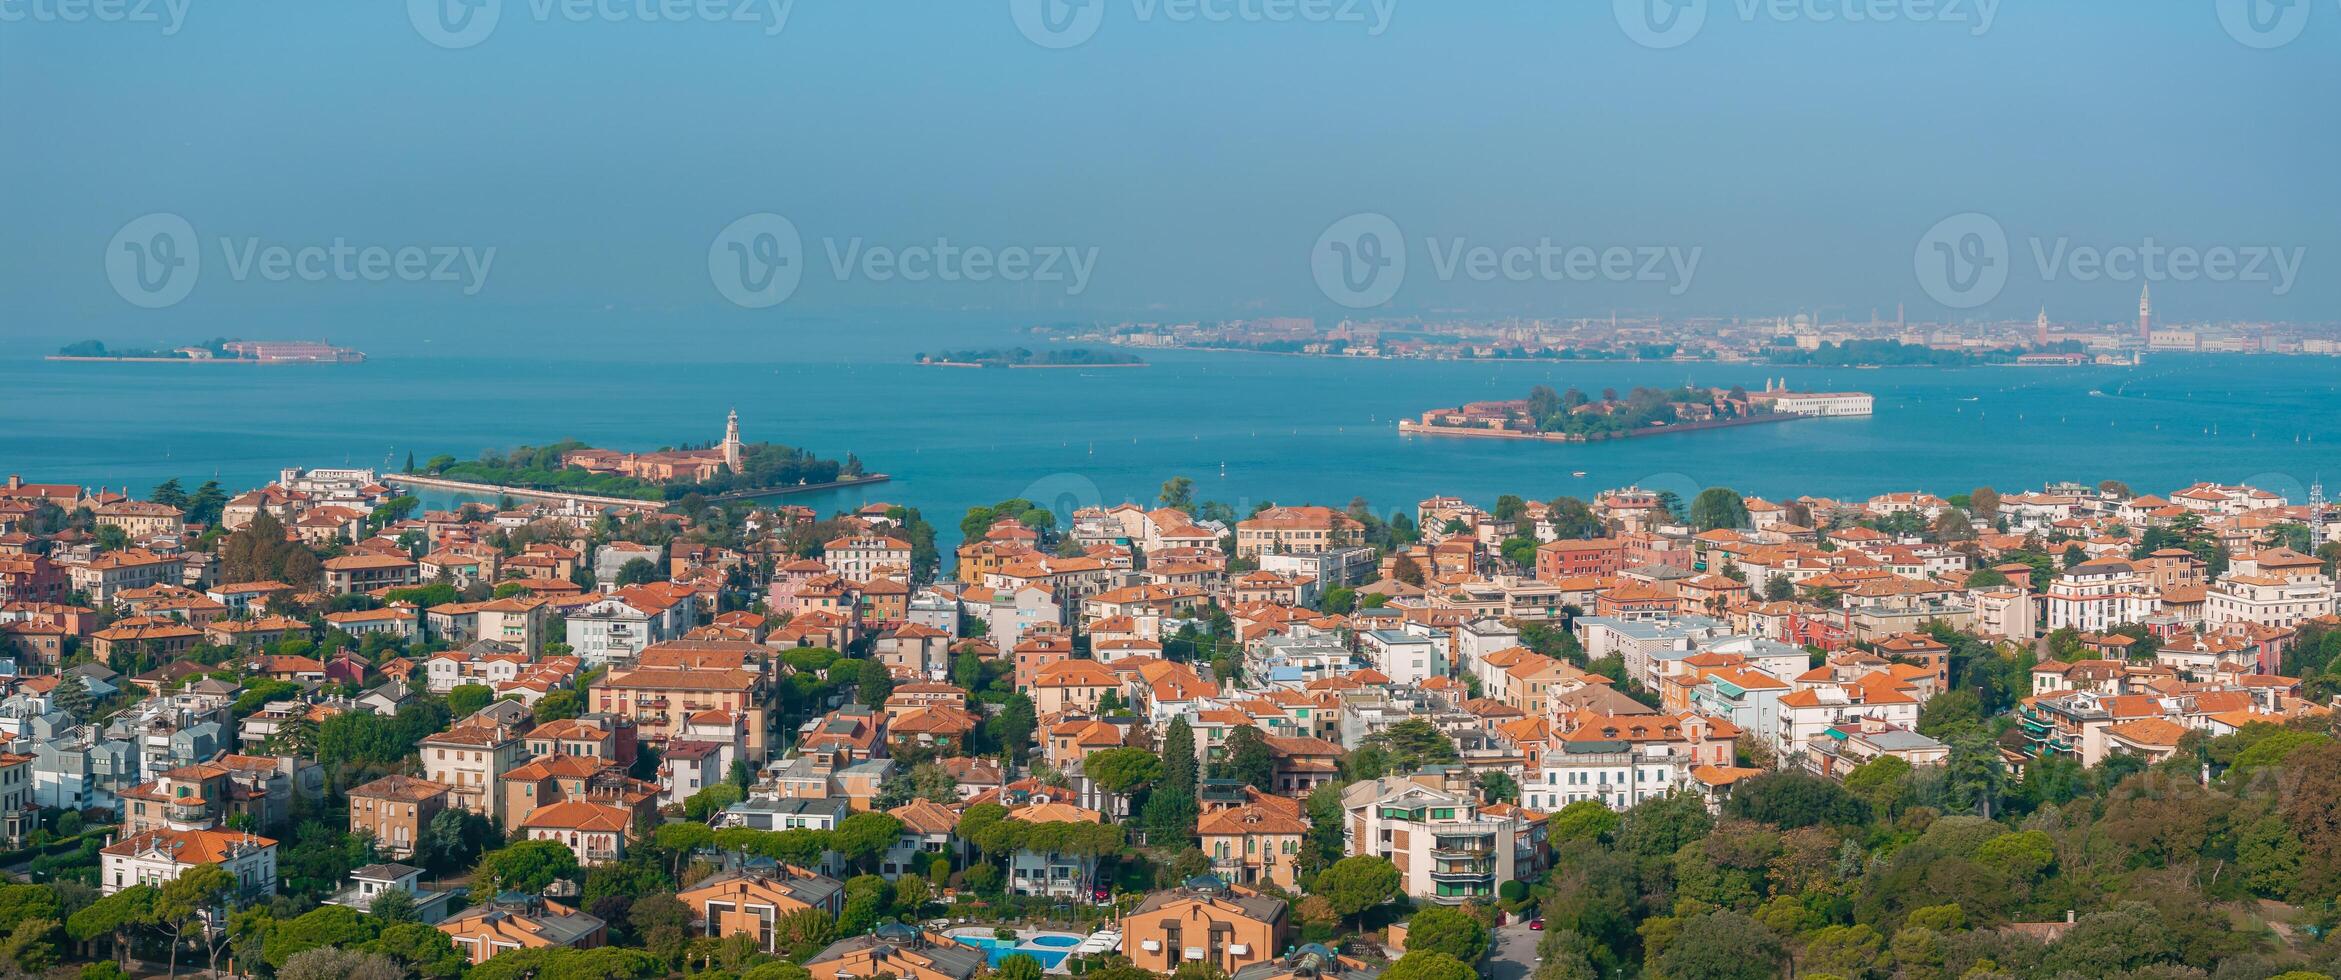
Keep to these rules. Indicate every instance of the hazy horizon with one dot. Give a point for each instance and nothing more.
(1797, 164)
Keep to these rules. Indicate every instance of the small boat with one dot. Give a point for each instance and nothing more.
(1579, 474)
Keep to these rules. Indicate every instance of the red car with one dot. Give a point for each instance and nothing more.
(1537, 923)
(1101, 895)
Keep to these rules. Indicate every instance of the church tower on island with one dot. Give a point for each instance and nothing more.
(731, 441)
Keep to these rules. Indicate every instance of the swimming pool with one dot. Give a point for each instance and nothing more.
(1050, 949)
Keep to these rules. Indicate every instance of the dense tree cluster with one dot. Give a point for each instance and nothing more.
(1897, 872)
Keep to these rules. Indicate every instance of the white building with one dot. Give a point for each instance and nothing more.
(2267, 600)
(862, 557)
(1449, 851)
(618, 627)
(1406, 657)
(1636, 641)
(1827, 404)
(2096, 596)
(1009, 614)
(157, 856)
(1616, 779)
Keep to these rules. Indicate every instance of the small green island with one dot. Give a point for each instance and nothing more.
(1574, 416)
(1020, 357)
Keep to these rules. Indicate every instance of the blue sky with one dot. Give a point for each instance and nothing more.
(1196, 161)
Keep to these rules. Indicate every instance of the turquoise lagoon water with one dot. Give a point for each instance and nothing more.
(1246, 428)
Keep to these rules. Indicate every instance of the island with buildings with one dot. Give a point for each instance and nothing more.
(1574, 416)
(1019, 357)
(216, 351)
(725, 469)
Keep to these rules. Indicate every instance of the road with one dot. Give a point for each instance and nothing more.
(1515, 953)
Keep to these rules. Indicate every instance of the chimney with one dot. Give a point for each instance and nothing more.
(2068, 916)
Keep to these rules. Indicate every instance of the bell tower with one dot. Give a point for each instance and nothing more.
(731, 441)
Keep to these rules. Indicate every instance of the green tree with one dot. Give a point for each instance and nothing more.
(28, 948)
(1718, 507)
(967, 671)
(1853, 951)
(661, 923)
(639, 571)
(1881, 782)
(1413, 744)
(204, 506)
(1355, 884)
(72, 697)
(453, 839)
(392, 906)
(804, 932)
(1573, 519)
(1792, 798)
(1178, 493)
(1122, 771)
(1724, 946)
(864, 836)
(327, 963)
(1420, 965)
(1440, 929)
(527, 866)
(874, 683)
(1018, 966)
(329, 925)
(422, 949)
(115, 918)
(1582, 822)
(465, 699)
(1173, 806)
(1249, 760)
